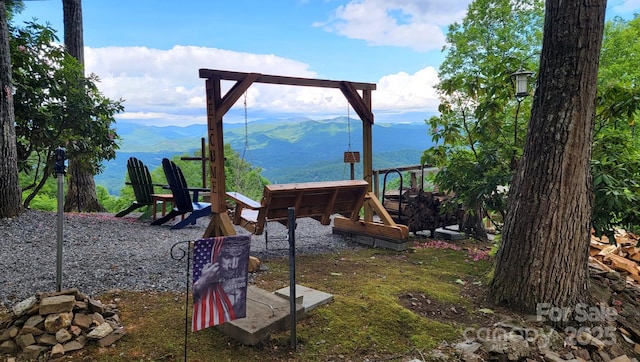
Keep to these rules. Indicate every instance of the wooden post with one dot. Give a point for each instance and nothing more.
(203, 159)
(216, 161)
(367, 150)
(217, 107)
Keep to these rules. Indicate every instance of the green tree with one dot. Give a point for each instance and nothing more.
(81, 189)
(615, 165)
(543, 257)
(53, 100)
(616, 150)
(240, 175)
(479, 132)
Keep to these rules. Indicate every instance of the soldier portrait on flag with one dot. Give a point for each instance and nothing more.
(220, 277)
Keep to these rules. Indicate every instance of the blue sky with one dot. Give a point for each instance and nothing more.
(148, 52)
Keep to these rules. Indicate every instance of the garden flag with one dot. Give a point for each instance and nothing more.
(220, 276)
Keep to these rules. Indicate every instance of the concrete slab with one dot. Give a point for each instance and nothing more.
(311, 298)
(266, 313)
(393, 245)
(374, 242)
(448, 234)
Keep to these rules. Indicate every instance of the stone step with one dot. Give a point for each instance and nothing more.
(266, 313)
(311, 298)
(448, 234)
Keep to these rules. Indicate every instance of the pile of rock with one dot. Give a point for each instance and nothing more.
(610, 331)
(53, 324)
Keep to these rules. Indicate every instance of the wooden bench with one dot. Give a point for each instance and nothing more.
(318, 200)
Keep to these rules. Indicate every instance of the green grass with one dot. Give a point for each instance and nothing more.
(365, 320)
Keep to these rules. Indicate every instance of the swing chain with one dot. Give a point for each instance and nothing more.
(348, 128)
(246, 127)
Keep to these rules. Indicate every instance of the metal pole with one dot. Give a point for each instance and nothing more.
(292, 276)
(60, 224)
(178, 254)
(60, 170)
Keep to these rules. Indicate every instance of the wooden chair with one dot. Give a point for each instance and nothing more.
(140, 180)
(318, 200)
(183, 203)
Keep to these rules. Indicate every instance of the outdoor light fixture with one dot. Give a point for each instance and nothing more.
(520, 79)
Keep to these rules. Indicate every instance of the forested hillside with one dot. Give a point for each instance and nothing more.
(294, 150)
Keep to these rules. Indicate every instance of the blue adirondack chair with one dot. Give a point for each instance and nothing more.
(183, 203)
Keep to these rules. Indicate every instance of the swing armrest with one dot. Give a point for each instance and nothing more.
(244, 200)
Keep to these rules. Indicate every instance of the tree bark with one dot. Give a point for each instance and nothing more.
(472, 223)
(543, 257)
(73, 32)
(10, 193)
(81, 192)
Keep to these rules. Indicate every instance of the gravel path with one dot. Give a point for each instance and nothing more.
(101, 252)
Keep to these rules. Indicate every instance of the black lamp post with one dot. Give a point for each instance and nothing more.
(520, 80)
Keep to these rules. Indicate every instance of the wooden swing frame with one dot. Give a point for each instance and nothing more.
(219, 104)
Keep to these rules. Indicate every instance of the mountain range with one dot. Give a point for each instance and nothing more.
(292, 150)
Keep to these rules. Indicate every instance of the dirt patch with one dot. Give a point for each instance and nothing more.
(478, 311)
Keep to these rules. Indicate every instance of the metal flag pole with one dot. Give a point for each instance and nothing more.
(292, 276)
(179, 256)
(60, 171)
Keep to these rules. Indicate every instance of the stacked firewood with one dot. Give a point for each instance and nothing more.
(420, 210)
(622, 256)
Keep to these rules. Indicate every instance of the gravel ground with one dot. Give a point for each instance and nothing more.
(101, 252)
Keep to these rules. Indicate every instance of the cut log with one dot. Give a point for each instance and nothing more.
(620, 263)
(596, 244)
(602, 266)
(609, 249)
(634, 253)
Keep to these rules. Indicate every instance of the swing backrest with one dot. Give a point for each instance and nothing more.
(317, 200)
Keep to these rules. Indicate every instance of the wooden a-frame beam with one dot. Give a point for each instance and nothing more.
(283, 80)
(357, 102)
(218, 105)
(235, 93)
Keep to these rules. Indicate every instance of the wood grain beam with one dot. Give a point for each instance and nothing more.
(284, 80)
(356, 101)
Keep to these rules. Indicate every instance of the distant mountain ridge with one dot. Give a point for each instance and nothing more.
(291, 150)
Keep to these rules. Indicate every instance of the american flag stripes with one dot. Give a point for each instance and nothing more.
(220, 275)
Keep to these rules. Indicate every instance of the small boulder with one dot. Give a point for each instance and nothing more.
(57, 351)
(55, 322)
(22, 307)
(57, 304)
(100, 331)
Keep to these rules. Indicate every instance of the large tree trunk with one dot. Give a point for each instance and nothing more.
(10, 193)
(544, 252)
(73, 32)
(81, 192)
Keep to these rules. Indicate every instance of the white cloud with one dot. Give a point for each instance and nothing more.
(163, 87)
(162, 119)
(407, 92)
(169, 78)
(626, 6)
(416, 24)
